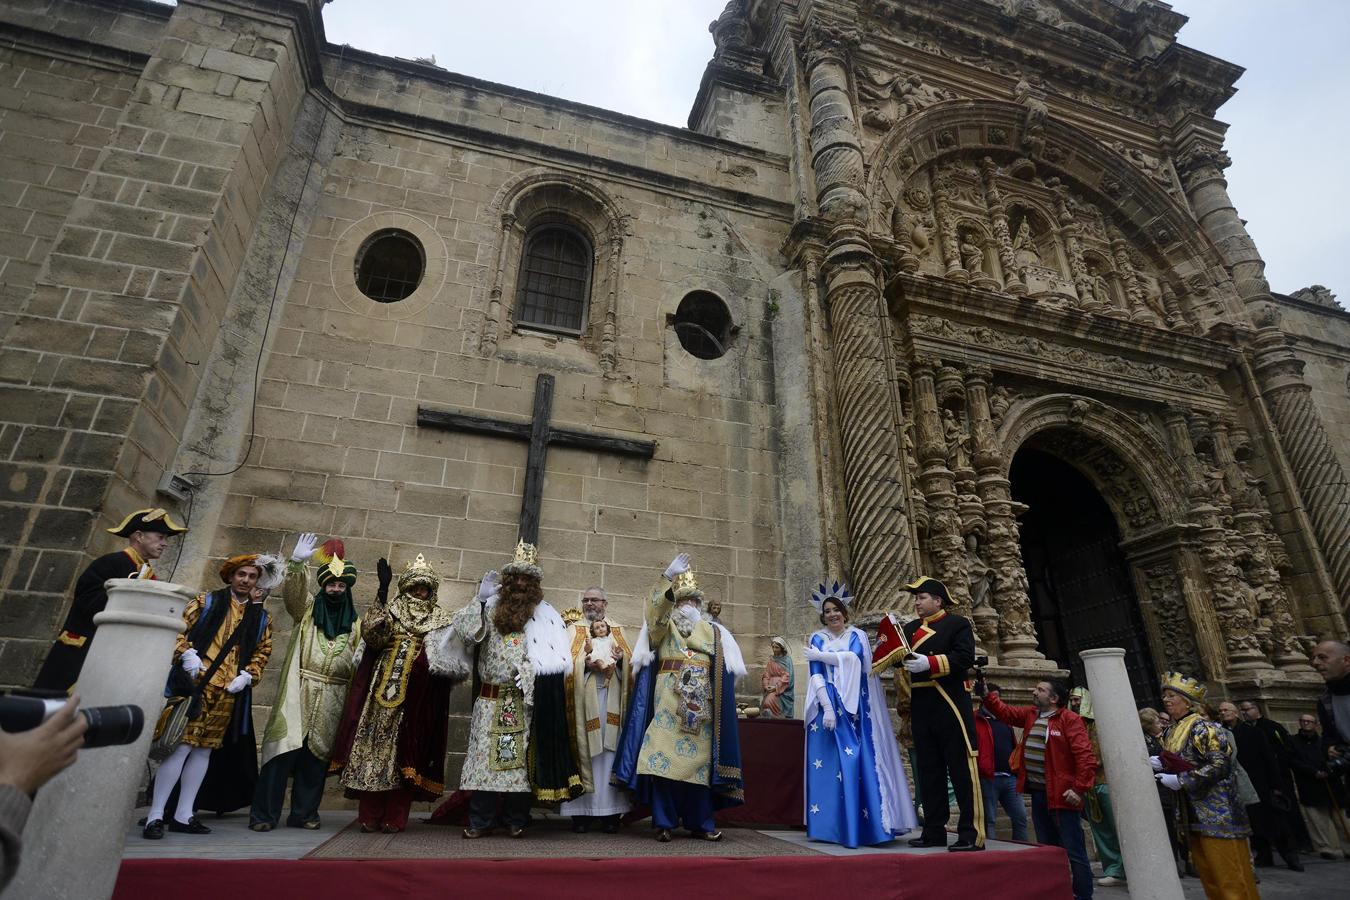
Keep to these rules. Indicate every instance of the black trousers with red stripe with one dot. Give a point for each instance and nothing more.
(942, 742)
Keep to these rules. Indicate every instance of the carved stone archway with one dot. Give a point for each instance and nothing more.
(1133, 470)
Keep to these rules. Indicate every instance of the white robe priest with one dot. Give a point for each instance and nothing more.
(597, 699)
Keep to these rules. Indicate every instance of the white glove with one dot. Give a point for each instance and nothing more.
(191, 662)
(1169, 781)
(1156, 763)
(678, 566)
(828, 720)
(918, 665)
(488, 586)
(305, 545)
(241, 681)
(814, 655)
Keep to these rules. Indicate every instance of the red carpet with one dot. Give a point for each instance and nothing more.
(1040, 873)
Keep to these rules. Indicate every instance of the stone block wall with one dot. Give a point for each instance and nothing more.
(126, 302)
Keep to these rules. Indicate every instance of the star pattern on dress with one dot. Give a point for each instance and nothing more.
(817, 763)
(838, 776)
(848, 750)
(864, 812)
(815, 727)
(815, 808)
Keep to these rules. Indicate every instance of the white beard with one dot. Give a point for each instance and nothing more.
(686, 617)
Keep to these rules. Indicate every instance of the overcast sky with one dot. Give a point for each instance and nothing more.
(645, 57)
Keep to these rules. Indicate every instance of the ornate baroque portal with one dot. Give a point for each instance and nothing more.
(1027, 284)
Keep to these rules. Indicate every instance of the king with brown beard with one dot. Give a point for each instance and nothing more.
(518, 748)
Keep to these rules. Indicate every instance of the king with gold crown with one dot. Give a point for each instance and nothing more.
(519, 739)
(390, 747)
(679, 750)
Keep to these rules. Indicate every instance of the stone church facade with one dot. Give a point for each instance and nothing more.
(948, 287)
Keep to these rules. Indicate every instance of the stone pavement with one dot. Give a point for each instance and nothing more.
(1323, 880)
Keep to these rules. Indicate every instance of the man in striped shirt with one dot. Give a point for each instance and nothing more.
(1057, 768)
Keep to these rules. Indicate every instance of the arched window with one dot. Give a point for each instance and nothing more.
(555, 280)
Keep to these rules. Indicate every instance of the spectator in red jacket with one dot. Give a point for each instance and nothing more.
(1056, 766)
(998, 784)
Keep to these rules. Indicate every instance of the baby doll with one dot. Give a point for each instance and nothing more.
(601, 647)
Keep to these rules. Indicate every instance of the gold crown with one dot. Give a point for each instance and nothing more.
(686, 585)
(571, 616)
(525, 561)
(1188, 687)
(419, 571)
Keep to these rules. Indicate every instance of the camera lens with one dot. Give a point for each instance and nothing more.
(112, 725)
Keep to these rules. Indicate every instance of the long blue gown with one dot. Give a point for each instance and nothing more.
(856, 792)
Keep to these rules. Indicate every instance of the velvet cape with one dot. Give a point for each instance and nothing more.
(727, 785)
(422, 733)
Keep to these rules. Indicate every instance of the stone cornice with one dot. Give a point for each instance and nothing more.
(90, 53)
(639, 176)
(718, 75)
(437, 75)
(1116, 355)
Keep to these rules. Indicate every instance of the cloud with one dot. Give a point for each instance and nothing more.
(645, 57)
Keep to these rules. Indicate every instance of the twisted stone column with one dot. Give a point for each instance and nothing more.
(998, 215)
(1200, 165)
(1011, 591)
(1321, 480)
(878, 531)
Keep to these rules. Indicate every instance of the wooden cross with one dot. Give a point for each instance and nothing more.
(540, 434)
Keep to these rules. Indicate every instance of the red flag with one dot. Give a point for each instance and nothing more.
(891, 645)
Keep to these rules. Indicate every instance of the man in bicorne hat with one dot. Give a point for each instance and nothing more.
(147, 532)
(223, 650)
(298, 740)
(390, 747)
(945, 740)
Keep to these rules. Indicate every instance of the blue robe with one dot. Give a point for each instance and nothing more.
(856, 793)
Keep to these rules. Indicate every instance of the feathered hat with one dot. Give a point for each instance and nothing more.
(333, 565)
(419, 571)
(157, 520)
(835, 591)
(1191, 688)
(271, 571)
(525, 561)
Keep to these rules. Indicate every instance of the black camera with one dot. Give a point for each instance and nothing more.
(980, 663)
(108, 725)
(1339, 765)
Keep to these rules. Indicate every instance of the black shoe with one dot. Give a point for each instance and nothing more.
(926, 842)
(611, 826)
(964, 847)
(580, 825)
(664, 836)
(153, 831)
(516, 831)
(475, 833)
(193, 826)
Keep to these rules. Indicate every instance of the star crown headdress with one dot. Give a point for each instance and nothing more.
(1185, 685)
(835, 591)
(686, 585)
(525, 561)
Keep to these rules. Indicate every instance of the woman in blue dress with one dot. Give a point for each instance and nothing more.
(856, 792)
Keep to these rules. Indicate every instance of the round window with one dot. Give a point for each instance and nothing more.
(703, 325)
(389, 265)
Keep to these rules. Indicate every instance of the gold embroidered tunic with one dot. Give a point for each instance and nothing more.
(208, 729)
(315, 678)
(396, 633)
(678, 743)
(499, 729)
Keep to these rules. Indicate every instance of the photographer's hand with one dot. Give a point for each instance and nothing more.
(29, 759)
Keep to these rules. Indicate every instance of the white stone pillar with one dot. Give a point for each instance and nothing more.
(73, 843)
(1149, 865)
